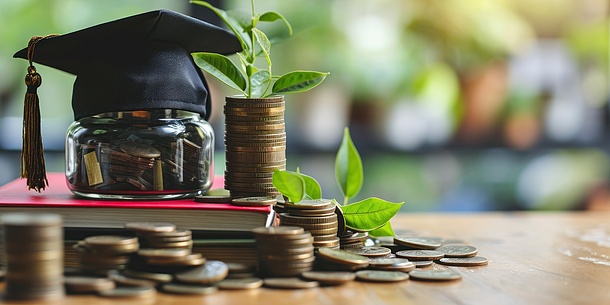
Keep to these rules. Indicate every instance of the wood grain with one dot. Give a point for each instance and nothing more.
(534, 258)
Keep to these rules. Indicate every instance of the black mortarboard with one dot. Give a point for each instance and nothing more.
(140, 62)
(136, 63)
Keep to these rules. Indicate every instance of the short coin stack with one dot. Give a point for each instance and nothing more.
(353, 240)
(34, 256)
(283, 251)
(255, 142)
(159, 235)
(102, 253)
(315, 216)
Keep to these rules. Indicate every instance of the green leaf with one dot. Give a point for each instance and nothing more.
(260, 82)
(348, 167)
(264, 43)
(298, 81)
(386, 230)
(233, 23)
(369, 214)
(312, 187)
(222, 68)
(290, 184)
(273, 16)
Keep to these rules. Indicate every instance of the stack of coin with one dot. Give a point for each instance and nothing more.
(316, 216)
(34, 256)
(353, 240)
(255, 144)
(102, 253)
(160, 235)
(283, 251)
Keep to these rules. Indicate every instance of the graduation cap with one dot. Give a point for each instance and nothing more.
(140, 62)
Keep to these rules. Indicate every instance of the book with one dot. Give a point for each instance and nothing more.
(220, 218)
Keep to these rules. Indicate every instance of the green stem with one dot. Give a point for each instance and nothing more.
(345, 199)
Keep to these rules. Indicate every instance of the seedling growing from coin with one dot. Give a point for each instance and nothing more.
(369, 215)
(246, 77)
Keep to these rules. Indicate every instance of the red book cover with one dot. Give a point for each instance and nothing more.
(90, 213)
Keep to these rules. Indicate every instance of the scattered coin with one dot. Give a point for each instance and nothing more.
(434, 275)
(422, 243)
(342, 257)
(422, 264)
(240, 283)
(371, 251)
(329, 278)
(420, 255)
(464, 261)
(211, 272)
(81, 284)
(381, 276)
(188, 289)
(289, 283)
(458, 250)
(157, 277)
(122, 280)
(128, 292)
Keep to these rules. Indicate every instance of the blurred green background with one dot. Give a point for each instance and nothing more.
(466, 105)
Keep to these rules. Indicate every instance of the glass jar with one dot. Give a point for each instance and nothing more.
(153, 154)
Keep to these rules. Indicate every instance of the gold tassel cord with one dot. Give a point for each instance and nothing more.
(32, 151)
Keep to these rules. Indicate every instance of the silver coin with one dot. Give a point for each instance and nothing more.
(434, 275)
(422, 243)
(381, 276)
(240, 283)
(458, 250)
(371, 251)
(211, 272)
(188, 289)
(422, 264)
(464, 261)
(420, 255)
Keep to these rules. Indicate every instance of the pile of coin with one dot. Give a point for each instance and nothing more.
(102, 253)
(315, 216)
(34, 256)
(340, 260)
(159, 235)
(255, 145)
(283, 251)
(352, 240)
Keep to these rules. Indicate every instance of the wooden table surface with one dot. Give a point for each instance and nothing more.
(534, 258)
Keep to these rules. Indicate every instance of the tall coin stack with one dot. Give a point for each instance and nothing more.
(283, 251)
(255, 143)
(315, 216)
(34, 256)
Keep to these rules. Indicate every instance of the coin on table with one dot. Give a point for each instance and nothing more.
(151, 226)
(342, 256)
(110, 240)
(194, 259)
(128, 292)
(434, 275)
(240, 283)
(381, 276)
(139, 149)
(371, 251)
(420, 255)
(82, 284)
(464, 261)
(458, 250)
(164, 253)
(157, 277)
(422, 243)
(188, 289)
(329, 278)
(122, 280)
(386, 261)
(422, 264)
(211, 272)
(213, 198)
(289, 283)
(254, 201)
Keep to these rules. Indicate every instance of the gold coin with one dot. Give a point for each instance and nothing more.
(81, 284)
(110, 240)
(308, 220)
(164, 253)
(189, 260)
(151, 226)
